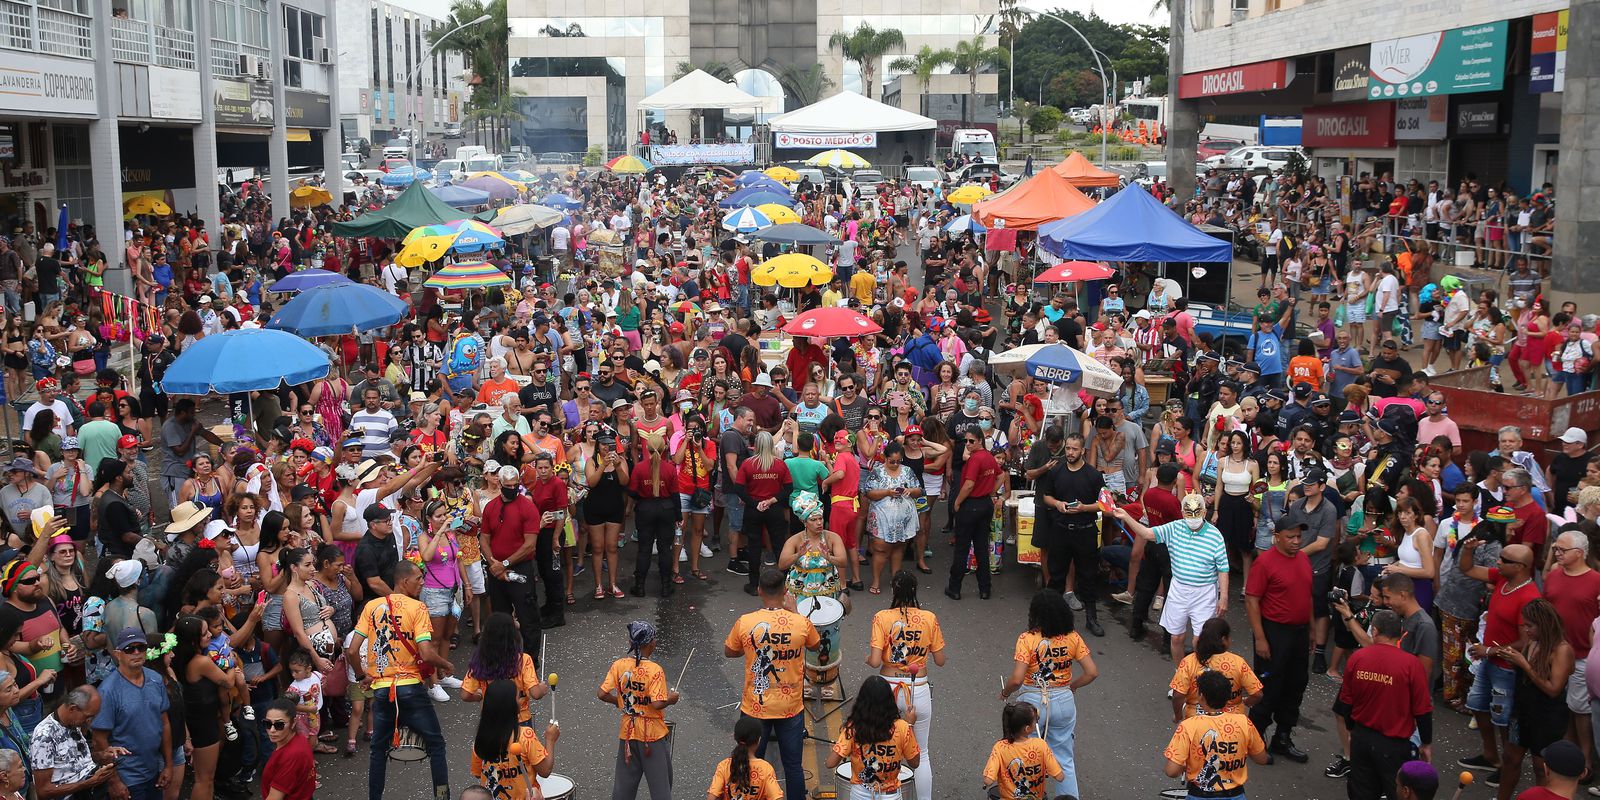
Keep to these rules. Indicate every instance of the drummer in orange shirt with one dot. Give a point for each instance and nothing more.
(877, 742)
(638, 687)
(772, 642)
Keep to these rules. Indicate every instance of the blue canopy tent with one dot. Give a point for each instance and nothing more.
(460, 195)
(1131, 226)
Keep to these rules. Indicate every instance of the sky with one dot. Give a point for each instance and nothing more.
(1116, 11)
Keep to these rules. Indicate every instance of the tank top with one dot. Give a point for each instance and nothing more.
(813, 575)
(212, 501)
(331, 406)
(1233, 481)
(244, 560)
(1406, 551)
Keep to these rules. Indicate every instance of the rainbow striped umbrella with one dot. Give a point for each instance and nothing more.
(629, 165)
(468, 275)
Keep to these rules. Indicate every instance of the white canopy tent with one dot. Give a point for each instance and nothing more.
(849, 112)
(699, 90)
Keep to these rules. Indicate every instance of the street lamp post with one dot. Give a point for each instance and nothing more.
(1105, 86)
(422, 119)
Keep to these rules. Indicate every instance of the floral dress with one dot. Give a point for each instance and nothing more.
(894, 518)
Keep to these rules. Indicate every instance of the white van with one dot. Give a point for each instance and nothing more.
(471, 151)
(974, 142)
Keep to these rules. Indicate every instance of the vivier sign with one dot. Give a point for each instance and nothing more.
(1349, 125)
(1263, 76)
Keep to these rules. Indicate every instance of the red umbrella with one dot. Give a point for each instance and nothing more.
(831, 322)
(1073, 271)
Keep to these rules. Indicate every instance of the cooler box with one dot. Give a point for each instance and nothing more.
(1027, 551)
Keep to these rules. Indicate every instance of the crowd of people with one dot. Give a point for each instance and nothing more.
(196, 608)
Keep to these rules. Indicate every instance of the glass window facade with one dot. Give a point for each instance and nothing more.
(648, 29)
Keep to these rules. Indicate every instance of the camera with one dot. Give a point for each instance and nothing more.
(1337, 595)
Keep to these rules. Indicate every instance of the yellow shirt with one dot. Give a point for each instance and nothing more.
(1049, 661)
(1244, 680)
(877, 765)
(389, 660)
(763, 782)
(1214, 750)
(906, 637)
(1020, 768)
(637, 686)
(862, 285)
(774, 642)
(509, 778)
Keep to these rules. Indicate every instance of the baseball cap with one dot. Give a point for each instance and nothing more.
(1314, 475)
(1572, 436)
(1349, 415)
(1250, 366)
(128, 440)
(1142, 314)
(1564, 758)
(215, 528)
(1321, 400)
(376, 512)
(1286, 523)
(1302, 389)
(132, 635)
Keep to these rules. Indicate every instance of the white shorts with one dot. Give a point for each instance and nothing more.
(475, 578)
(1578, 688)
(932, 485)
(1186, 603)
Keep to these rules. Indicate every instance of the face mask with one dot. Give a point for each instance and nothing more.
(1194, 523)
(969, 405)
(508, 493)
(985, 424)
(685, 406)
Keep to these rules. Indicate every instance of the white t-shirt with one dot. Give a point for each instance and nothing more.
(1388, 294)
(394, 276)
(559, 238)
(1457, 311)
(63, 415)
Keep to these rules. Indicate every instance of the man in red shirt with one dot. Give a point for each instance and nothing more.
(508, 536)
(1490, 698)
(1278, 601)
(1383, 698)
(549, 495)
(1532, 527)
(974, 512)
(1574, 589)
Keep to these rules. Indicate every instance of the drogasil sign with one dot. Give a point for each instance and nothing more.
(1263, 76)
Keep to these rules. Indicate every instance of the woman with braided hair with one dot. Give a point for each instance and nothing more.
(904, 638)
(638, 687)
(876, 741)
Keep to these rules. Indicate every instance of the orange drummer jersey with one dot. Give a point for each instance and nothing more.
(1049, 661)
(637, 686)
(1021, 768)
(527, 678)
(906, 638)
(510, 777)
(1244, 680)
(763, 782)
(774, 641)
(878, 765)
(1214, 750)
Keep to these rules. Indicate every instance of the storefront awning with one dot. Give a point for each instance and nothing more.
(297, 135)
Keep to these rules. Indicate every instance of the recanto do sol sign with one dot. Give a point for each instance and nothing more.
(1349, 125)
(1263, 76)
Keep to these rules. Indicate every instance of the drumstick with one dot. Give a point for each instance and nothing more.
(684, 670)
(544, 648)
(552, 681)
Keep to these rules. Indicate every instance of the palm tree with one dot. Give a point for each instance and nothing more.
(922, 65)
(971, 57)
(867, 46)
(716, 69)
(806, 85)
(484, 46)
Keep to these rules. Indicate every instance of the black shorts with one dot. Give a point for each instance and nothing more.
(1321, 582)
(1455, 341)
(601, 509)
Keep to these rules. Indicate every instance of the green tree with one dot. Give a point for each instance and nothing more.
(922, 65)
(484, 46)
(970, 58)
(806, 85)
(1044, 119)
(1045, 49)
(867, 46)
(716, 69)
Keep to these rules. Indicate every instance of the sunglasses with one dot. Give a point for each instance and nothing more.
(277, 724)
(29, 581)
(134, 649)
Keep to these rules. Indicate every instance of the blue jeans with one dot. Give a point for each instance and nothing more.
(791, 734)
(414, 710)
(146, 791)
(1492, 692)
(1058, 724)
(1575, 382)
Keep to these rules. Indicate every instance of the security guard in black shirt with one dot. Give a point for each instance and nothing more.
(1203, 384)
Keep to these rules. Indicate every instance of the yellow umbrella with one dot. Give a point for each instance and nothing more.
(967, 195)
(782, 174)
(838, 159)
(424, 249)
(145, 204)
(778, 214)
(310, 197)
(791, 271)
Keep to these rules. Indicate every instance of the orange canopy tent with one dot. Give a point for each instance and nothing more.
(1080, 172)
(1045, 197)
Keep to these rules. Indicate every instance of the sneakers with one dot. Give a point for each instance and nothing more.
(450, 682)
(1492, 780)
(1339, 768)
(738, 567)
(1124, 598)
(1319, 662)
(1156, 604)
(705, 552)
(1478, 763)
(249, 713)
(438, 694)
(232, 732)
(1429, 371)
(1073, 602)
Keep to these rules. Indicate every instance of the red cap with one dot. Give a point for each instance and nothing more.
(46, 383)
(128, 440)
(676, 327)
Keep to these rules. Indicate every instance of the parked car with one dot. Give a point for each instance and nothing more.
(352, 160)
(452, 130)
(867, 180)
(980, 173)
(924, 177)
(1263, 158)
(368, 175)
(1215, 147)
(358, 144)
(556, 159)
(397, 148)
(393, 163)
(449, 169)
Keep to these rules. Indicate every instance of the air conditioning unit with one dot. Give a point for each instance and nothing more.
(324, 56)
(249, 65)
(263, 69)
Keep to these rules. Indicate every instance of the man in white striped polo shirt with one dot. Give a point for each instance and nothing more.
(1199, 588)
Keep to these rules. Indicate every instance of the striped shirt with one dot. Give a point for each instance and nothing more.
(374, 428)
(1148, 340)
(1198, 557)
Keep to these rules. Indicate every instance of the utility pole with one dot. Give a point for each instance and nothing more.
(1183, 128)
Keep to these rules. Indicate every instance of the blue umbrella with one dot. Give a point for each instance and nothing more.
(460, 195)
(1061, 364)
(561, 201)
(400, 176)
(244, 361)
(749, 180)
(965, 224)
(756, 196)
(337, 310)
(308, 279)
(61, 231)
(746, 220)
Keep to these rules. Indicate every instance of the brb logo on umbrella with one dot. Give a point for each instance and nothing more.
(1057, 374)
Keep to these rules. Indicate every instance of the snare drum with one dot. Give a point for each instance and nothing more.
(845, 776)
(822, 666)
(558, 787)
(407, 745)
